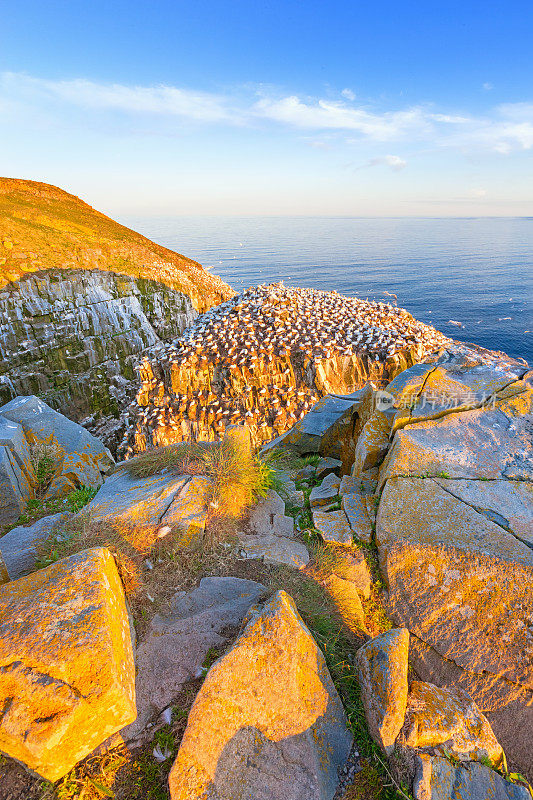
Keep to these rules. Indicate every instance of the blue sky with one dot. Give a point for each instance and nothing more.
(413, 108)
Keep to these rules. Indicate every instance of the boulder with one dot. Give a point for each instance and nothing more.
(19, 547)
(305, 473)
(4, 575)
(187, 512)
(261, 515)
(508, 706)
(320, 431)
(372, 443)
(17, 479)
(67, 675)
(382, 669)
(267, 722)
(147, 503)
(273, 549)
(345, 595)
(81, 458)
(456, 384)
(421, 511)
(349, 484)
(507, 503)
(328, 465)
(297, 498)
(326, 492)
(449, 722)
(283, 526)
(354, 505)
(352, 566)
(179, 640)
(461, 378)
(333, 527)
(439, 779)
(485, 443)
(463, 585)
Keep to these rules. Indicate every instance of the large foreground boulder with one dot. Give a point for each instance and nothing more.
(67, 675)
(268, 723)
(460, 577)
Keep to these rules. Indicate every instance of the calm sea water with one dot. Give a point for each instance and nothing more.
(475, 271)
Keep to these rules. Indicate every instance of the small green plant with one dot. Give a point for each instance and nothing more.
(44, 458)
(166, 741)
(76, 500)
(210, 658)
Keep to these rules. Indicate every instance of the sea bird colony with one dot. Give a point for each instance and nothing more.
(264, 358)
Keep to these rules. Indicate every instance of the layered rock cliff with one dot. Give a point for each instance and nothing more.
(81, 297)
(73, 337)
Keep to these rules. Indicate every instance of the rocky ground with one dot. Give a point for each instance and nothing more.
(364, 631)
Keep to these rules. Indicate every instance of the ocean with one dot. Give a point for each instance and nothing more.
(474, 271)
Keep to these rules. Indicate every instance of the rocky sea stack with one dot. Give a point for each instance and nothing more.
(265, 357)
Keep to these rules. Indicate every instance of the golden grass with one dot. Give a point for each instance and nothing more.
(238, 477)
(43, 227)
(184, 458)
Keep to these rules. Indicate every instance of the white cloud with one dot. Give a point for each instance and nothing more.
(161, 99)
(488, 86)
(330, 115)
(504, 129)
(394, 162)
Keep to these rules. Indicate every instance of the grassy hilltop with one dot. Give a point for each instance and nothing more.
(43, 227)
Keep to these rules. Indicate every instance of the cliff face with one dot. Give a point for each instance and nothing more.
(43, 227)
(73, 337)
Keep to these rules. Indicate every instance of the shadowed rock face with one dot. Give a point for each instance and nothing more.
(265, 357)
(73, 337)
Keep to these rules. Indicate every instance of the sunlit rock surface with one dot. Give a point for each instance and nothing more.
(453, 532)
(382, 669)
(267, 722)
(449, 722)
(29, 431)
(67, 676)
